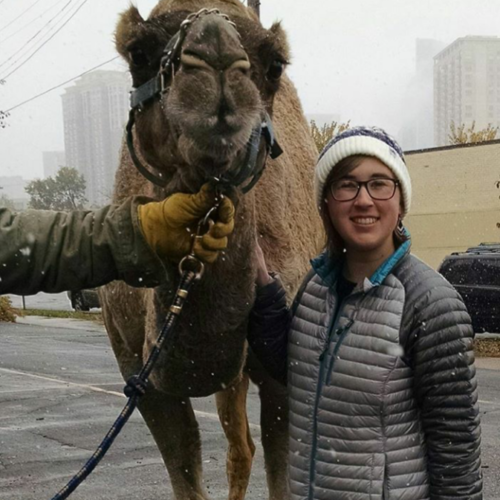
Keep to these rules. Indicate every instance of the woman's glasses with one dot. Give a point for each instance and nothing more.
(378, 189)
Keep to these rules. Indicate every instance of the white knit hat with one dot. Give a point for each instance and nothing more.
(369, 141)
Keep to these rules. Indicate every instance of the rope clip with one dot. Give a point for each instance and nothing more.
(191, 262)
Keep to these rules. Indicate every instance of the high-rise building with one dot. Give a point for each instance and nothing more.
(95, 112)
(13, 189)
(52, 162)
(466, 85)
(418, 130)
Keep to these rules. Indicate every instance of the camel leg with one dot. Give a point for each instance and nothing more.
(231, 406)
(173, 425)
(274, 428)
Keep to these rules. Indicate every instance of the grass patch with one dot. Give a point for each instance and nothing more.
(49, 313)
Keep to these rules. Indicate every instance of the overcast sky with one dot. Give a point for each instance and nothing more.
(354, 58)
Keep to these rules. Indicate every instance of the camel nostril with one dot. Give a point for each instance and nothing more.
(227, 124)
(225, 113)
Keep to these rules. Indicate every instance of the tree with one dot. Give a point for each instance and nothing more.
(461, 135)
(6, 310)
(322, 135)
(65, 191)
(3, 115)
(3, 118)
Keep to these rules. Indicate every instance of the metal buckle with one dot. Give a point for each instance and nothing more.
(164, 80)
(191, 262)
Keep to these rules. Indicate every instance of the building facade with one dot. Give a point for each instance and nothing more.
(418, 130)
(95, 111)
(455, 200)
(466, 85)
(52, 162)
(12, 192)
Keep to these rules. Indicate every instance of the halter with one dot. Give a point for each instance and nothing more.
(158, 85)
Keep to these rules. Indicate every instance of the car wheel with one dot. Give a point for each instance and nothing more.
(78, 302)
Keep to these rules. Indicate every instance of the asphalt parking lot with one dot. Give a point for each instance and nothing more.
(60, 390)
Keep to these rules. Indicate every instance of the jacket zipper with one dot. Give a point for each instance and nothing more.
(322, 357)
(332, 329)
(342, 332)
(319, 387)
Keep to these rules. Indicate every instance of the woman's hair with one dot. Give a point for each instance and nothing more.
(334, 243)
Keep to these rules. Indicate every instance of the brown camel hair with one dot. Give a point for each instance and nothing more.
(199, 129)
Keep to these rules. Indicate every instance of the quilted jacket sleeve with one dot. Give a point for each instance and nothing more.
(446, 389)
(51, 251)
(268, 329)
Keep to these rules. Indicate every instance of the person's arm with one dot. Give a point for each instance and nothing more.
(269, 322)
(446, 389)
(268, 329)
(49, 251)
(55, 251)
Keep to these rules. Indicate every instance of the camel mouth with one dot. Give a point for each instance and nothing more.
(219, 141)
(214, 154)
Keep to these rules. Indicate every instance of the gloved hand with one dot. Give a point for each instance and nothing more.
(169, 226)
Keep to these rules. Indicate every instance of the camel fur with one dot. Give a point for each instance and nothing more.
(199, 129)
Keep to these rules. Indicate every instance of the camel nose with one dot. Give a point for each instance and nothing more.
(214, 42)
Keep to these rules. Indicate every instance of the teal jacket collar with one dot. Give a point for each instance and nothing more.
(328, 269)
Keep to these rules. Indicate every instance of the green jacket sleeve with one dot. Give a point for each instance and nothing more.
(54, 251)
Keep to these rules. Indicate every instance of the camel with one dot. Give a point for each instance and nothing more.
(230, 71)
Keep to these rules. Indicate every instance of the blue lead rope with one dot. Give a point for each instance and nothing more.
(135, 388)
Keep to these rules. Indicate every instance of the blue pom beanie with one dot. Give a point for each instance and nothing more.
(369, 141)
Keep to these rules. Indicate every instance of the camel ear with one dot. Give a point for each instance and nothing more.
(278, 41)
(127, 30)
(274, 55)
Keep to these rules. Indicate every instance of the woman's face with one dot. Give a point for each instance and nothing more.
(365, 224)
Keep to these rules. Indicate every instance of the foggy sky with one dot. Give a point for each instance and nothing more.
(354, 59)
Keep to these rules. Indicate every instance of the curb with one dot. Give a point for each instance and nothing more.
(67, 323)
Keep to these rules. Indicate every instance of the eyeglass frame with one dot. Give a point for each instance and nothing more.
(365, 183)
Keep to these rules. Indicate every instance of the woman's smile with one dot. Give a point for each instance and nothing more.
(364, 221)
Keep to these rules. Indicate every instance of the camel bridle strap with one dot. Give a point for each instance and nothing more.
(158, 85)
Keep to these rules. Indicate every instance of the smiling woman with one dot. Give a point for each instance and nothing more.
(377, 347)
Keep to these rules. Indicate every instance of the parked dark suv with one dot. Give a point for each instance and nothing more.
(475, 274)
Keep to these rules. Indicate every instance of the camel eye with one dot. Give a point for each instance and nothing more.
(138, 57)
(276, 69)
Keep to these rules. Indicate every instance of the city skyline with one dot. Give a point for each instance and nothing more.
(356, 63)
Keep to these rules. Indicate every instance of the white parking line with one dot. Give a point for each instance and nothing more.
(204, 414)
(62, 382)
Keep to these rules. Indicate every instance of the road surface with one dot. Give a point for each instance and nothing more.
(60, 390)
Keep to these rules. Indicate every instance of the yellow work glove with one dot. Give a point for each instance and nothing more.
(169, 226)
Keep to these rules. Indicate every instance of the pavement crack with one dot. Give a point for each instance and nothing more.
(60, 441)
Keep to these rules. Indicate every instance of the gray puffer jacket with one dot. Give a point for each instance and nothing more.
(383, 394)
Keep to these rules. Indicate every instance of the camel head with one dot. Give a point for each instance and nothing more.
(215, 90)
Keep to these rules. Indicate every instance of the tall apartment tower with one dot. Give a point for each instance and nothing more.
(52, 162)
(95, 112)
(418, 130)
(466, 85)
